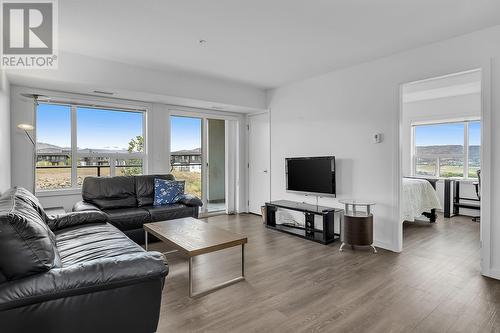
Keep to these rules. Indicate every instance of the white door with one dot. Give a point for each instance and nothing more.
(258, 158)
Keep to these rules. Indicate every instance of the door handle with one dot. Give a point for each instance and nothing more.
(265, 171)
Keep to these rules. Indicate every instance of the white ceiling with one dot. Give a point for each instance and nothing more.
(266, 43)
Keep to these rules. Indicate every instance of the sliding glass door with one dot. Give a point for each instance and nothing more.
(198, 156)
(185, 152)
(216, 165)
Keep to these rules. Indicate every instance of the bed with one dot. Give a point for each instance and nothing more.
(419, 198)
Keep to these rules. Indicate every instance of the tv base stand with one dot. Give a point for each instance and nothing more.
(319, 223)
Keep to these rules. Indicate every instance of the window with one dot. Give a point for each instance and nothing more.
(107, 142)
(53, 146)
(447, 149)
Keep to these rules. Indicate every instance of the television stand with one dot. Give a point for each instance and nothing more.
(317, 223)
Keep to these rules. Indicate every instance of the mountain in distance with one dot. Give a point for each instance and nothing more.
(474, 151)
(47, 149)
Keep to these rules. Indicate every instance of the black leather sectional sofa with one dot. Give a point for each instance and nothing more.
(74, 272)
(128, 202)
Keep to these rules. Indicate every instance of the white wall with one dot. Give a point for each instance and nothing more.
(493, 182)
(338, 112)
(4, 133)
(83, 74)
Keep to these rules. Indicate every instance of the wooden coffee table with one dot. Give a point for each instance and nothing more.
(194, 237)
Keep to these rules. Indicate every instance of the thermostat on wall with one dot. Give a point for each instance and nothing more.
(377, 138)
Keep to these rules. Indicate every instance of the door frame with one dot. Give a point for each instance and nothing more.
(248, 117)
(485, 213)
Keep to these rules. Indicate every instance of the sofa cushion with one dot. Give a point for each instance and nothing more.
(110, 192)
(82, 206)
(169, 212)
(145, 188)
(168, 191)
(94, 241)
(27, 245)
(191, 200)
(66, 220)
(128, 218)
(28, 197)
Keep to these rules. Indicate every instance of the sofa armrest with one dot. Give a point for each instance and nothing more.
(191, 200)
(83, 278)
(82, 206)
(56, 222)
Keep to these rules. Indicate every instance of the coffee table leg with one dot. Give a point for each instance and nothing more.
(220, 285)
(243, 260)
(146, 240)
(190, 276)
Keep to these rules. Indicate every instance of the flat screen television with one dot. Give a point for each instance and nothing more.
(311, 175)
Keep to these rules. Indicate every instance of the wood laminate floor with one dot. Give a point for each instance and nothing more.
(295, 285)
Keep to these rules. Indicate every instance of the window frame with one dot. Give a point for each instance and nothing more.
(75, 155)
(437, 157)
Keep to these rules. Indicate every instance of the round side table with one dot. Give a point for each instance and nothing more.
(357, 225)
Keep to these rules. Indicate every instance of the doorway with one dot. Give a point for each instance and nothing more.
(441, 162)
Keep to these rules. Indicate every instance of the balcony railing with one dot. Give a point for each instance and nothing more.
(191, 174)
(183, 166)
(98, 167)
(59, 176)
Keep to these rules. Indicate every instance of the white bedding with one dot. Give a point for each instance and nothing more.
(418, 196)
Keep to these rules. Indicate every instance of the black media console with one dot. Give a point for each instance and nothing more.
(329, 219)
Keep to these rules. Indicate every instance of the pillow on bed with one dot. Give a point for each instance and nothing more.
(168, 191)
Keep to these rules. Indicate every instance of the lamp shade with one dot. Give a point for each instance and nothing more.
(26, 127)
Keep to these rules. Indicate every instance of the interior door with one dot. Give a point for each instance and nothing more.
(259, 162)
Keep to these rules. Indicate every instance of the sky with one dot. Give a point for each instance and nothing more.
(96, 129)
(53, 125)
(447, 134)
(185, 133)
(103, 129)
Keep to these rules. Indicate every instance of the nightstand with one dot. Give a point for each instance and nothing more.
(357, 225)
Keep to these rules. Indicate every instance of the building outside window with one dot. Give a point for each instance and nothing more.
(447, 149)
(101, 142)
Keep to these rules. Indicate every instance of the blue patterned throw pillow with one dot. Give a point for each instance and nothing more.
(168, 191)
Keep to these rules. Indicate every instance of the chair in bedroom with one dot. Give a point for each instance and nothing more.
(477, 186)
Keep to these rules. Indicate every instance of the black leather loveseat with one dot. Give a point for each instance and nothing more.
(73, 272)
(128, 202)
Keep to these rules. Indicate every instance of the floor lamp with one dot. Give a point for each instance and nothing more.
(27, 128)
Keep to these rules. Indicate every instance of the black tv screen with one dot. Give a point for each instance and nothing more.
(315, 175)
